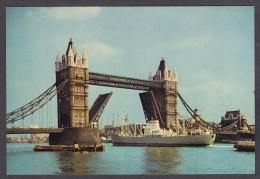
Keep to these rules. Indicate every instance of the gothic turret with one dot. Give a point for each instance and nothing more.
(175, 75)
(57, 63)
(73, 58)
(85, 59)
(166, 72)
(150, 76)
(163, 73)
(71, 45)
(70, 57)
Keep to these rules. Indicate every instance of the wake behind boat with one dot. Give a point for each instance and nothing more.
(155, 136)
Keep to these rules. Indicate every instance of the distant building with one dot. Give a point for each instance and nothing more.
(252, 127)
(215, 125)
(39, 138)
(109, 129)
(234, 120)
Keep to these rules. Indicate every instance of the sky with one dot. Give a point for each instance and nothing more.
(212, 49)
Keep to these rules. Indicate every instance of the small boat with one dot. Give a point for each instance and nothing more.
(90, 148)
(245, 146)
(47, 148)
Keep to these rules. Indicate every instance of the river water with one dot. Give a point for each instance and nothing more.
(216, 159)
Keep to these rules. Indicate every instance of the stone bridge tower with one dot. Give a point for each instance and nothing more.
(166, 98)
(72, 100)
(73, 110)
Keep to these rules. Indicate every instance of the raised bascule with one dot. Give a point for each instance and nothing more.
(79, 122)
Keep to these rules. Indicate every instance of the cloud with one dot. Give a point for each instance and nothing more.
(97, 49)
(61, 13)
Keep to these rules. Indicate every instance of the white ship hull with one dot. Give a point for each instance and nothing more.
(189, 140)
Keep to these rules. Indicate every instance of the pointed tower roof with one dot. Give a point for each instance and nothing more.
(57, 58)
(70, 53)
(71, 45)
(162, 67)
(84, 54)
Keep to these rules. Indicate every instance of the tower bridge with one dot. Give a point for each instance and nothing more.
(159, 99)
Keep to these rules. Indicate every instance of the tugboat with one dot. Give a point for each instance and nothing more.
(248, 146)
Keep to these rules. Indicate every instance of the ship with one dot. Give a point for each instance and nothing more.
(164, 125)
(155, 136)
(245, 146)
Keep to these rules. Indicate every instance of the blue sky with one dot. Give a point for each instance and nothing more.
(211, 47)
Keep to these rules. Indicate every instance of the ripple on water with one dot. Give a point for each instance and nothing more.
(215, 159)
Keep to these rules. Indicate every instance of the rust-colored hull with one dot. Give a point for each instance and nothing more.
(249, 148)
(69, 148)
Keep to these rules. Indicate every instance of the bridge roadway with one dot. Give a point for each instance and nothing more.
(59, 130)
(122, 82)
(33, 130)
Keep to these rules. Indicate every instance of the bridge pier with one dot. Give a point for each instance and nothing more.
(70, 136)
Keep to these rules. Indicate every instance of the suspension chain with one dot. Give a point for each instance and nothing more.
(35, 104)
(188, 108)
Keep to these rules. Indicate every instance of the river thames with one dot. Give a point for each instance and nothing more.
(215, 159)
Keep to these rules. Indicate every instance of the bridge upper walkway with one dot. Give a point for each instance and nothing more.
(122, 82)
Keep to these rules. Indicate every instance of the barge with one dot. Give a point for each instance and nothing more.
(74, 148)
